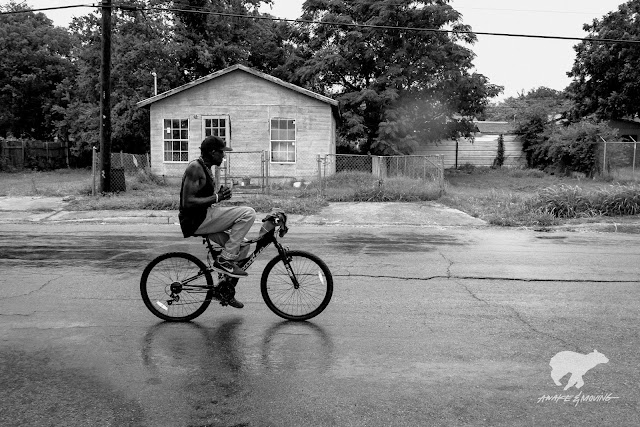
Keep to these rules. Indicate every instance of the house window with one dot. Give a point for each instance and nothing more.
(216, 126)
(283, 140)
(176, 140)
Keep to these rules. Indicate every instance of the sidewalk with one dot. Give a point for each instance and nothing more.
(419, 214)
(431, 214)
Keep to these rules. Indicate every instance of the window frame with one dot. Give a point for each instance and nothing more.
(180, 140)
(227, 126)
(285, 141)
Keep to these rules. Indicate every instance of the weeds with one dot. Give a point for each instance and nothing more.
(364, 187)
(566, 201)
(529, 197)
(504, 197)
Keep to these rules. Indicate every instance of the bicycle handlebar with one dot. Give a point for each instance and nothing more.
(276, 218)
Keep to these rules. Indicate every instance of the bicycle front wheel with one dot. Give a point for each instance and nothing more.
(298, 293)
(176, 287)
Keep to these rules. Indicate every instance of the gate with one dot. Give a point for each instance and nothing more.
(620, 159)
(244, 171)
(426, 168)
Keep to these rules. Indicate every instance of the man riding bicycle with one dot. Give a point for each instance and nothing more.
(200, 213)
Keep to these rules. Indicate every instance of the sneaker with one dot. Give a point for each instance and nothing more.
(235, 303)
(229, 268)
(232, 302)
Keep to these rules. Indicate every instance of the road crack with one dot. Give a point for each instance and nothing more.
(48, 282)
(517, 315)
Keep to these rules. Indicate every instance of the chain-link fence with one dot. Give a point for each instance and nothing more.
(121, 164)
(252, 171)
(619, 159)
(425, 168)
(244, 171)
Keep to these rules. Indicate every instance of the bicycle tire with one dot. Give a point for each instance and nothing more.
(172, 268)
(312, 296)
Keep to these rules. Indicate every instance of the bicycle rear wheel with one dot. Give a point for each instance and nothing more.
(176, 287)
(301, 301)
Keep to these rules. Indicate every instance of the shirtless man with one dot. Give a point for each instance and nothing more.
(200, 213)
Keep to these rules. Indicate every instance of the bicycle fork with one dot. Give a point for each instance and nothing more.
(286, 260)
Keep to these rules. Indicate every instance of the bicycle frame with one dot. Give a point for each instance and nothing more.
(262, 242)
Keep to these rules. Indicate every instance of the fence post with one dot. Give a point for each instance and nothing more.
(319, 173)
(267, 171)
(635, 146)
(93, 170)
(604, 158)
(262, 172)
(24, 160)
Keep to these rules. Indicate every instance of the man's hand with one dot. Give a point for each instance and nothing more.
(224, 193)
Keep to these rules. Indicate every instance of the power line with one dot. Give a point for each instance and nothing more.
(42, 9)
(341, 24)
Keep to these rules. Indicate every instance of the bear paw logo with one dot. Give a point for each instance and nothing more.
(575, 363)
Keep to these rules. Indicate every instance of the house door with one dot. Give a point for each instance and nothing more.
(218, 126)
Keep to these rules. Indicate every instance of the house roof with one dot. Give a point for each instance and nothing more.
(495, 127)
(334, 104)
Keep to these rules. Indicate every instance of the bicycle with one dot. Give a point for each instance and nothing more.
(296, 285)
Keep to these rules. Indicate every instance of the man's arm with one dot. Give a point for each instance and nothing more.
(194, 180)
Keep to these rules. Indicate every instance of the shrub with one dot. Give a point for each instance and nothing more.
(499, 160)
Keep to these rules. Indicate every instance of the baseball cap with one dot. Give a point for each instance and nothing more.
(214, 143)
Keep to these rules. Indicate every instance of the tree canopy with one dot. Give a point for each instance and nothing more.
(396, 87)
(606, 76)
(549, 101)
(35, 61)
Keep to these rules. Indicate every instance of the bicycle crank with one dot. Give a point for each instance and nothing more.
(226, 291)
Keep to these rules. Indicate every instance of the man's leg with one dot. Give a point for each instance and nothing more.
(227, 226)
(238, 221)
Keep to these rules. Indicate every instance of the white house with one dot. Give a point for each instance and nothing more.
(254, 112)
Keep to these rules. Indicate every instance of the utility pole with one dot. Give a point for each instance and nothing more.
(105, 99)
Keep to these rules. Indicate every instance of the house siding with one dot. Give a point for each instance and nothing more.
(250, 102)
(626, 127)
(481, 152)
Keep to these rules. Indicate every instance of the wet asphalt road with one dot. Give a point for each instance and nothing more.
(427, 326)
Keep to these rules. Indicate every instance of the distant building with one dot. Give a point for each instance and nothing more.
(481, 150)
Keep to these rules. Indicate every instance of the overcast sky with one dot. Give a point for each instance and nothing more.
(518, 64)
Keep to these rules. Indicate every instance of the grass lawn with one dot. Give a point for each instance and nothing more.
(507, 197)
(58, 183)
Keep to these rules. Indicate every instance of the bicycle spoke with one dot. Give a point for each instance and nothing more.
(164, 290)
(313, 291)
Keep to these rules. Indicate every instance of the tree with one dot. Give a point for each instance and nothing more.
(210, 42)
(396, 87)
(141, 44)
(34, 63)
(575, 147)
(553, 102)
(533, 126)
(178, 46)
(606, 75)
